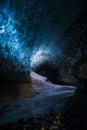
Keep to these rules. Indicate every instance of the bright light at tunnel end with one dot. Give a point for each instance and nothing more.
(40, 57)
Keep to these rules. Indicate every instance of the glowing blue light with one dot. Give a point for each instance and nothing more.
(19, 43)
(10, 40)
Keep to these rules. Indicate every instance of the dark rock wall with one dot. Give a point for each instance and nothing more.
(75, 112)
(74, 54)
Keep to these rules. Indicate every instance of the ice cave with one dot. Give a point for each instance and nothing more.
(43, 65)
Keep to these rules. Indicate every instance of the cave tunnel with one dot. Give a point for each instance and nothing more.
(44, 41)
(35, 34)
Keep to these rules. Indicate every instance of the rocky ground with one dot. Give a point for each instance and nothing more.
(50, 121)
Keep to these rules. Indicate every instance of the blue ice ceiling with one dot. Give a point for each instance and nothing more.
(29, 26)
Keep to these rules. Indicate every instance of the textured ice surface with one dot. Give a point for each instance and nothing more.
(40, 57)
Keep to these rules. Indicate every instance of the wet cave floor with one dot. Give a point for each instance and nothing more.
(34, 107)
